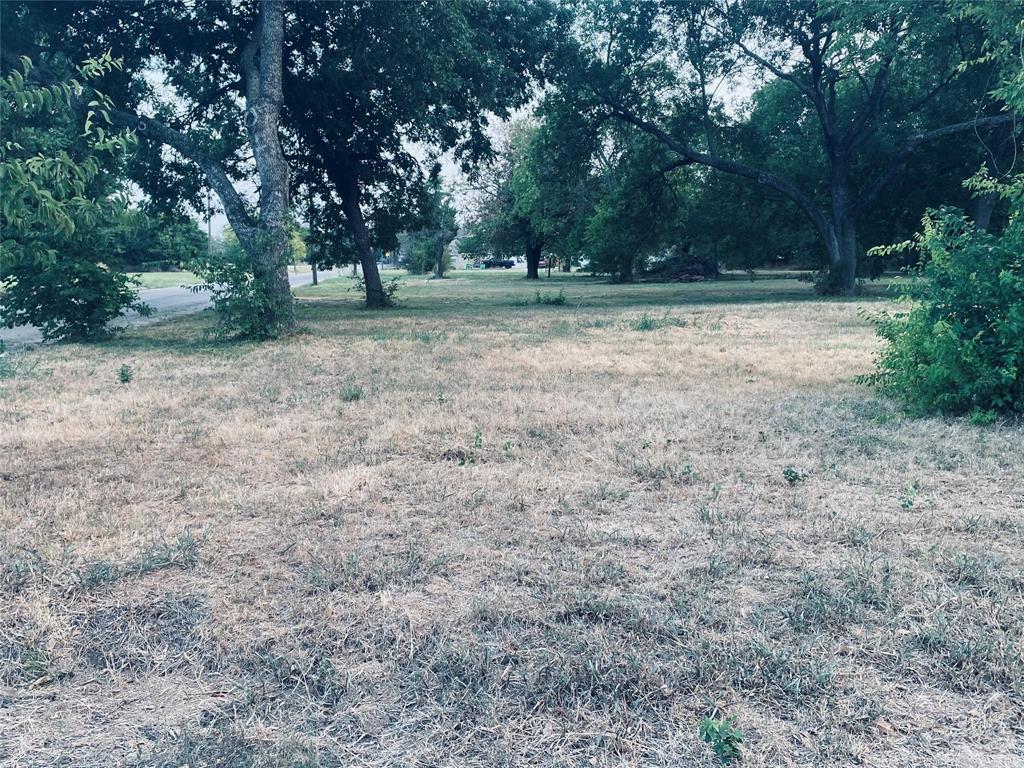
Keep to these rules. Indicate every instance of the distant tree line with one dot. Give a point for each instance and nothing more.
(662, 136)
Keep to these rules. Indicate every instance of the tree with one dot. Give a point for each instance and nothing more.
(862, 72)
(392, 76)
(140, 241)
(773, 231)
(960, 346)
(54, 196)
(236, 49)
(526, 199)
(438, 224)
(633, 210)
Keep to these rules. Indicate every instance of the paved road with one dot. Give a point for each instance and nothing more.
(166, 302)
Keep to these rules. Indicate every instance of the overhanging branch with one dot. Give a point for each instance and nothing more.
(899, 163)
(154, 130)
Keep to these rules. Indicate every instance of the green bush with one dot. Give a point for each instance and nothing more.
(246, 307)
(67, 300)
(552, 299)
(959, 349)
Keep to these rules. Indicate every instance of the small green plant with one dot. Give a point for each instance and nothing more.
(553, 299)
(125, 374)
(351, 392)
(645, 323)
(391, 288)
(909, 497)
(648, 322)
(35, 662)
(478, 438)
(723, 736)
(793, 475)
(6, 366)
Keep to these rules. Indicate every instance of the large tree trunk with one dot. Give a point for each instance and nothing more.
(841, 236)
(439, 257)
(533, 251)
(375, 296)
(981, 210)
(268, 245)
(997, 161)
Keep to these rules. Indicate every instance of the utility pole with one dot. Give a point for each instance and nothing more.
(311, 245)
(209, 224)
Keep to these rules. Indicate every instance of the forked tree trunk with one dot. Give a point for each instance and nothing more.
(265, 238)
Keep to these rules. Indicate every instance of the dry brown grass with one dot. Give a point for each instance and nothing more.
(468, 532)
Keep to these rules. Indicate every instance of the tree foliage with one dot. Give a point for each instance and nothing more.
(959, 348)
(869, 84)
(56, 194)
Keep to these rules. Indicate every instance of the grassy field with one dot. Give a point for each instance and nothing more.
(165, 279)
(175, 279)
(497, 527)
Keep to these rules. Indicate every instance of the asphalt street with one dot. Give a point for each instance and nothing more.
(166, 302)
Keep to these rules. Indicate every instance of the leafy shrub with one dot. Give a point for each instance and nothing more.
(241, 291)
(125, 374)
(959, 349)
(553, 299)
(390, 288)
(67, 300)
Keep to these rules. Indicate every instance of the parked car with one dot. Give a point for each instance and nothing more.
(499, 264)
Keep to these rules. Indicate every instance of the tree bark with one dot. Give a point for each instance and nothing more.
(265, 239)
(841, 242)
(533, 251)
(262, 68)
(439, 258)
(313, 268)
(982, 207)
(375, 296)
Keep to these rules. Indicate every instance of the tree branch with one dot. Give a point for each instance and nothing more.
(899, 163)
(154, 130)
(690, 155)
